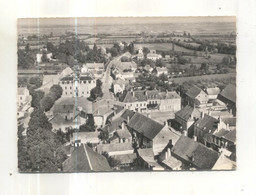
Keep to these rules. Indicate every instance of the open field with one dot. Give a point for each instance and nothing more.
(215, 58)
(162, 47)
(204, 77)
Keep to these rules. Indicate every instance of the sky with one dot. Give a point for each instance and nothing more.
(120, 20)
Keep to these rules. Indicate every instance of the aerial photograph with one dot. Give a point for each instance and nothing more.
(126, 94)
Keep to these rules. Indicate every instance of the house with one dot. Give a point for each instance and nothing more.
(142, 100)
(160, 71)
(148, 133)
(84, 159)
(85, 137)
(186, 117)
(152, 55)
(124, 135)
(74, 86)
(148, 68)
(40, 55)
(228, 96)
(225, 138)
(146, 160)
(115, 149)
(92, 67)
(24, 98)
(224, 163)
(140, 56)
(213, 92)
(206, 127)
(125, 66)
(101, 110)
(193, 154)
(196, 97)
(118, 86)
(167, 160)
(125, 160)
(67, 71)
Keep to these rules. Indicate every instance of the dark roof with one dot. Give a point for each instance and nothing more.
(231, 136)
(188, 112)
(127, 113)
(114, 125)
(135, 96)
(193, 152)
(207, 123)
(84, 159)
(115, 147)
(230, 121)
(229, 92)
(123, 133)
(194, 91)
(67, 78)
(83, 78)
(144, 125)
(125, 158)
(70, 108)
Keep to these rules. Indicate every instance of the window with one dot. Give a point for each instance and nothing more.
(67, 82)
(82, 92)
(89, 82)
(20, 98)
(63, 82)
(70, 87)
(70, 92)
(66, 93)
(65, 87)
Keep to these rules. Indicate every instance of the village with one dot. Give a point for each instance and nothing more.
(127, 106)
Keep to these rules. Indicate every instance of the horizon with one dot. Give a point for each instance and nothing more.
(90, 21)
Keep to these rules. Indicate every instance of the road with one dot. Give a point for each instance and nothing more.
(107, 80)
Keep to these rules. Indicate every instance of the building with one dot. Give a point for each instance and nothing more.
(40, 55)
(152, 55)
(115, 149)
(196, 97)
(193, 154)
(206, 127)
(146, 160)
(85, 137)
(74, 86)
(118, 86)
(213, 93)
(142, 100)
(84, 159)
(24, 97)
(147, 133)
(160, 71)
(228, 96)
(148, 68)
(185, 118)
(91, 67)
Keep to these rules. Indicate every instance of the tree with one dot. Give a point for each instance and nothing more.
(114, 52)
(27, 48)
(57, 91)
(89, 125)
(226, 60)
(104, 135)
(23, 158)
(36, 98)
(204, 66)
(47, 103)
(96, 91)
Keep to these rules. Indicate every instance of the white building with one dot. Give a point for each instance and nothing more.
(152, 55)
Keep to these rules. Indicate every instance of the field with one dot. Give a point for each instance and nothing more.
(91, 40)
(103, 45)
(204, 77)
(161, 47)
(215, 58)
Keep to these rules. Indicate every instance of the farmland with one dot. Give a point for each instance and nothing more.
(162, 47)
(203, 77)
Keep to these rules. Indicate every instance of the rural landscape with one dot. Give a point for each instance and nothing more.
(126, 94)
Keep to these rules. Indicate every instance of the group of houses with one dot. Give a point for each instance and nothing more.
(152, 55)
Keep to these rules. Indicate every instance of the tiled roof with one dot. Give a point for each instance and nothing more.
(224, 163)
(67, 78)
(229, 92)
(114, 125)
(231, 121)
(172, 162)
(144, 125)
(207, 123)
(127, 113)
(114, 147)
(194, 91)
(193, 152)
(231, 136)
(123, 133)
(84, 159)
(86, 78)
(188, 112)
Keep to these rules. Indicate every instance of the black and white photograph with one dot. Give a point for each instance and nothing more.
(126, 94)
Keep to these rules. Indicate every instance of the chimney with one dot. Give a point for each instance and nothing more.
(149, 115)
(195, 138)
(122, 125)
(202, 114)
(128, 119)
(228, 126)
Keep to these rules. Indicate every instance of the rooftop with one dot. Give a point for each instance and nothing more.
(188, 112)
(207, 124)
(114, 147)
(145, 126)
(84, 159)
(229, 92)
(194, 152)
(194, 91)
